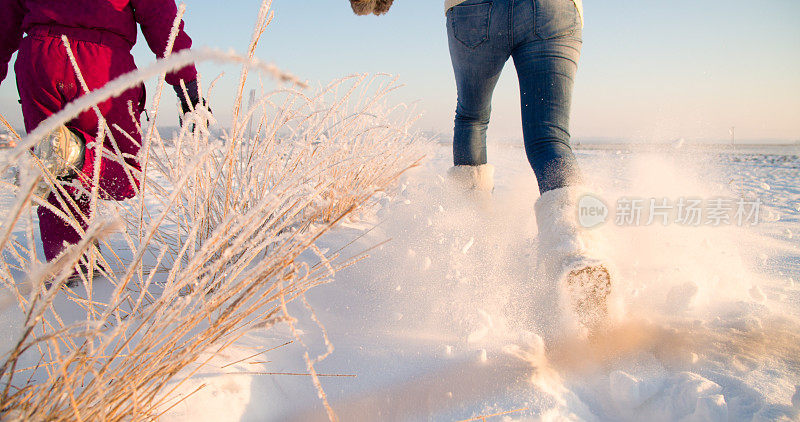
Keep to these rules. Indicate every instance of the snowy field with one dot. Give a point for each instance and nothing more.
(309, 266)
(445, 320)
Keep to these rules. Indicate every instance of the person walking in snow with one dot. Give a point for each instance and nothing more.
(101, 34)
(544, 38)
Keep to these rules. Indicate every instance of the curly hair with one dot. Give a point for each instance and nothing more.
(365, 7)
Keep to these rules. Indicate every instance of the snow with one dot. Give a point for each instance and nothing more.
(445, 319)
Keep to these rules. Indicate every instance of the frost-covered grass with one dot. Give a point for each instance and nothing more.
(207, 251)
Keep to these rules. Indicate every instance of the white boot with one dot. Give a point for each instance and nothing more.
(478, 178)
(572, 255)
(61, 153)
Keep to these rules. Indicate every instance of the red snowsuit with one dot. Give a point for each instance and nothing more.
(101, 35)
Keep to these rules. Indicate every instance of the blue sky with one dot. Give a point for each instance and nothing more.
(650, 71)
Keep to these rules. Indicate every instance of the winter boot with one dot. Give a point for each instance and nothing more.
(572, 255)
(61, 153)
(474, 182)
(473, 178)
(81, 271)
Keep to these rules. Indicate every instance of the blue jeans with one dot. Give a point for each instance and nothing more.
(544, 38)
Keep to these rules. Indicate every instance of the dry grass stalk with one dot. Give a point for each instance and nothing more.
(207, 254)
(11, 141)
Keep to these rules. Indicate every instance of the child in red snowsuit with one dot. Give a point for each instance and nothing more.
(101, 35)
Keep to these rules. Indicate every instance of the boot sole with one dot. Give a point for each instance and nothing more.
(589, 288)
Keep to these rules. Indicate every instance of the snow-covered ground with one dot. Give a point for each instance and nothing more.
(445, 319)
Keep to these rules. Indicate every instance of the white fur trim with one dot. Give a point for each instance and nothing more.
(562, 240)
(479, 178)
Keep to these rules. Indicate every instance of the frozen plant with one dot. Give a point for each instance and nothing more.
(206, 252)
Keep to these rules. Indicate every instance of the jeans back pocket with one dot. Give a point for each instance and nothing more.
(470, 23)
(556, 18)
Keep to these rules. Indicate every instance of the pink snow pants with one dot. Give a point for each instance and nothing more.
(47, 83)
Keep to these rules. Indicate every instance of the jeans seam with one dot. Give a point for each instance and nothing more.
(511, 28)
